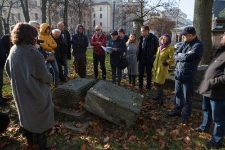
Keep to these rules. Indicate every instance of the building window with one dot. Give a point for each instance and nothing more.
(36, 16)
(100, 15)
(94, 15)
(101, 23)
(100, 8)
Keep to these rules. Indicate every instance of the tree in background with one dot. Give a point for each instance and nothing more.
(6, 5)
(202, 23)
(161, 26)
(25, 8)
(222, 13)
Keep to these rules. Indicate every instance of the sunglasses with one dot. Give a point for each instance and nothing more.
(97, 29)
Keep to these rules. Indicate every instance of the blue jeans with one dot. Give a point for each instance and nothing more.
(184, 94)
(55, 69)
(214, 111)
(65, 63)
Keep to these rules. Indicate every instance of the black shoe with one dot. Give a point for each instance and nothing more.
(210, 145)
(155, 98)
(200, 130)
(3, 103)
(185, 121)
(172, 114)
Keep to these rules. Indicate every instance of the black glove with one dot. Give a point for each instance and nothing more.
(165, 63)
(153, 59)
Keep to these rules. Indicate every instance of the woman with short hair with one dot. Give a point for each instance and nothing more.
(30, 81)
(163, 59)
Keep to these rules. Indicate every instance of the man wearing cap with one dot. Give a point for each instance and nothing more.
(148, 45)
(118, 48)
(187, 58)
(98, 40)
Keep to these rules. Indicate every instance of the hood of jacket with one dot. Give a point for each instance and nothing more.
(43, 28)
(79, 25)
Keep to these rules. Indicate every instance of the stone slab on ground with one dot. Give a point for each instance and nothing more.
(69, 94)
(114, 103)
(80, 127)
(70, 115)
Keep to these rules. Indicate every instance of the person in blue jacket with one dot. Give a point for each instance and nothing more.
(187, 58)
(118, 49)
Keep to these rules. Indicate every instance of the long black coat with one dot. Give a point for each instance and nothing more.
(213, 83)
(116, 55)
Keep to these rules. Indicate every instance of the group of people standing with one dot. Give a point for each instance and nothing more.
(31, 79)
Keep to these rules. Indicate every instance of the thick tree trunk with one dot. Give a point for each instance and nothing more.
(203, 23)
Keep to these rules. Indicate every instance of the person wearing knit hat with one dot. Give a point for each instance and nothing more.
(163, 59)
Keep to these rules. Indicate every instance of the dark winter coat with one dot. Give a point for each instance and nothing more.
(2, 55)
(65, 45)
(147, 47)
(187, 64)
(79, 42)
(213, 83)
(116, 55)
(6, 43)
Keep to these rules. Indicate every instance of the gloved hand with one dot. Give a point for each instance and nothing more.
(165, 63)
(153, 59)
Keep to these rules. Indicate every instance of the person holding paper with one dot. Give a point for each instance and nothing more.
(118, 48)
(98, 41)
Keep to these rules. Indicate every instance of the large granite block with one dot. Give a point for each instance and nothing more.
(69, 94)
(114, 103)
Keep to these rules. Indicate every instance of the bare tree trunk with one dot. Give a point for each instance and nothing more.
(203, 23)
(24, 5)
(65, 18)
(43, 10)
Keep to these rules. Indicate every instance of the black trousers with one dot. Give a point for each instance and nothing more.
(39, 139)
(145, 66)
(81, 61)
(101, 60)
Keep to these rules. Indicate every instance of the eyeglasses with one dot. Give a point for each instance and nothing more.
(97, 29)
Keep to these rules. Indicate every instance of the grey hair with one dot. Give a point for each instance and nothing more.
(56, 30)
(98, 26)
(33, 23)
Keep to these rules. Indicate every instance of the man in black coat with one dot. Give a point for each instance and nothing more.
(148, 44)
(65, 47)
(212, 88)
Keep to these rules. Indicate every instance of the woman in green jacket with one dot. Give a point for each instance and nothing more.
(163, 59)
